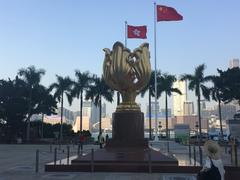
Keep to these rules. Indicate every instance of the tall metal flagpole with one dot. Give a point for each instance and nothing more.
(155, 73)
(126, 33)
(125, 44)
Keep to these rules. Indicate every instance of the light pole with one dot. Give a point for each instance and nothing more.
(199, 143)
(159, 128)
(196, 131)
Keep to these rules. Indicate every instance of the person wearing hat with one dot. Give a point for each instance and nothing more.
(213, 152)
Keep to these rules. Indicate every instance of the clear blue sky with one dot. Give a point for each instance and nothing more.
(63, 35)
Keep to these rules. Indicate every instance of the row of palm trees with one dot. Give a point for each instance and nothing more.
(196, 82)
(32, 78)
(95, 88)
(164, 85)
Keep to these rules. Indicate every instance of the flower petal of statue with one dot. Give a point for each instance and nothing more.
(127, 72)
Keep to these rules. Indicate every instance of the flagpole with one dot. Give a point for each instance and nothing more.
(155, 73)
(125, 33)
(125, 44)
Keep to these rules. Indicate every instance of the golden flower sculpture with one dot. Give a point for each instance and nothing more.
(127, 72)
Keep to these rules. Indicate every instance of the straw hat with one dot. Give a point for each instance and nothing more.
(212, 149)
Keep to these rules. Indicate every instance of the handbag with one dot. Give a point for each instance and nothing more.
(211, 173)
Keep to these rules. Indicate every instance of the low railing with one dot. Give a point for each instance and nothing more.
(64, 155)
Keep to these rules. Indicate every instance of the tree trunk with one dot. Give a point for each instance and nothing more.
(28, 128)
(42, 125)
(199, 119)
(29, 116)
(220, 117)
(118, 98)
(150, 115)
(200, 128)
(61, 125)
(100, 115)
(166, 114)
(81, 107)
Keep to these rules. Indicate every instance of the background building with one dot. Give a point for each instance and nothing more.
(152, 110)
(162, 113)
(67, 114)
(227, 111)
(233, 63)
(188, 108)
(106, 125)
(178, 100)
(54, 119)
(90, 116)
(85, 123)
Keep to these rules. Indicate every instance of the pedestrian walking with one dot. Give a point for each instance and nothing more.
(213, 168)
(81, 140)
(101, 140)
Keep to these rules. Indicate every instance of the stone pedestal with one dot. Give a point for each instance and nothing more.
(128, 129)
(127, 151)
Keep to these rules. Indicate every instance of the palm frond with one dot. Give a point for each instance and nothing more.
(199, 71)
(176, 90)
(186, 77)
(69, 98)
(205, 92)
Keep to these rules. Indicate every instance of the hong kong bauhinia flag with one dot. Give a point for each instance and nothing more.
(137, 32)
(165, 13)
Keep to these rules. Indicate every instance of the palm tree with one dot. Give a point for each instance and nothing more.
(62, 86)
(96, 92)
(216, 93)
(47, 105)
(230, 84)
(32, 78)
(196, 82)
(151, 93)
(166, 85)
(82, 84)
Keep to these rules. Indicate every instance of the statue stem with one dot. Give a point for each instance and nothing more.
(128, 96)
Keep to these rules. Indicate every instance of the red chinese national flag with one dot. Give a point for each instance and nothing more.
(137, 32)
(165, 13)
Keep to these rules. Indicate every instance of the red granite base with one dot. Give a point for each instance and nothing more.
(118, 160)
(127, 155)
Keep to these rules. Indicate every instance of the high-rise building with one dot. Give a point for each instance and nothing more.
(90, 114)
(106, 124)
(233, 63)
(162, 113)
(227, 112)
(104, 110)
(86, 108)
(188, 108)
(203, 104)
(152, 110)
(178, 100)
(85, 123)
(95, 113)
(67, 114)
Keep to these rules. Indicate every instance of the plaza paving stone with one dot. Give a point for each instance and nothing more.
(17, 162)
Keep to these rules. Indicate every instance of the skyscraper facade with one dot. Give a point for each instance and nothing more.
(152, 109)
(233, 63)
(178, 100)
(188, 108)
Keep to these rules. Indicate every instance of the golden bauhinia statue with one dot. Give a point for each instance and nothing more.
(127, 72)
